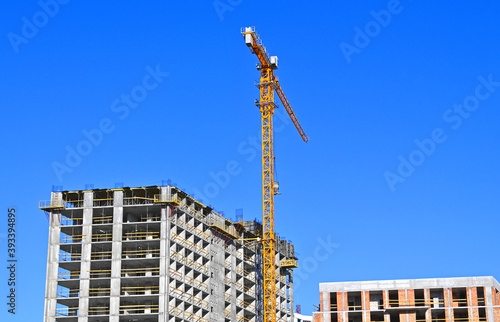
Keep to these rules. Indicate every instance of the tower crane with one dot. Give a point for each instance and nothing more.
(268, 85)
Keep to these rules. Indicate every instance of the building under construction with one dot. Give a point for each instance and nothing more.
(155, 254)
(462, 299)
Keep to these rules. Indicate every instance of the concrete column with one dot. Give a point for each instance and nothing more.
(216, 280)
(326, 306)
(428, 301)
(346, 301)
(447, 304)
(52, 262)
(232, 258)
(345, 309)
(165, 227)
(385, 295)
(88, 203)
(488, 296)
(114, 300)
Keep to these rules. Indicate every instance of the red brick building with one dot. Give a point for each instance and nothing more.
(431, 300)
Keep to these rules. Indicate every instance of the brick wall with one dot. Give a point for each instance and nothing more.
(340, 306)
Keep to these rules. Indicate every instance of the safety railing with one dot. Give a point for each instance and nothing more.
(102, 202)
(100, 291)
(129, 201)
(289, 263)
(65, 221)
(176, 274)
(196, 283)
(478, 319)
(71, 239)
(228, 281)
(66, 275)
(52, 204)
(188, 297)
(195, 317)
(196, 231)
(415, 302)
(281, 293)
(189, 244)
(100, 273)
(172, 310)
(59, 204)
(102, 237)
(67, 257)
(188, 261)
(98, 310)
(67, 311)
(139, 290)
(101, 255)
(243, 256)
(220, 223)
(247, 274)
(242, 318)
(459, 302)
(248, 289)
(150, 218)
(102, 220)
(167, 198)
(146, 271)
(141, 235)
(191, 210)
(354, 308)
(246, 305)
(141, 253)
(67, 293)
(138, 308)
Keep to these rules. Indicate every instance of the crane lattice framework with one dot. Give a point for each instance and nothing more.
(268, 85)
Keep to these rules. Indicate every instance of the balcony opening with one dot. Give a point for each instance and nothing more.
(438, 316)
(394, 316)
(480, 296)
(355, 317)
(458, 297)
(354, 301)
(482, 314)
(333, 302)
(377, 316)
(437, 297)
(393, 299)
(376, 300)
(420, 298)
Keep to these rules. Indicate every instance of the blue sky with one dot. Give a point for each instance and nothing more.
(400, 100)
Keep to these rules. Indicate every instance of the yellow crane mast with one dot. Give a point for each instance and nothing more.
(268, 85)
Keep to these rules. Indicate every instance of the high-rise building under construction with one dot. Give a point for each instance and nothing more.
(155, 254)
